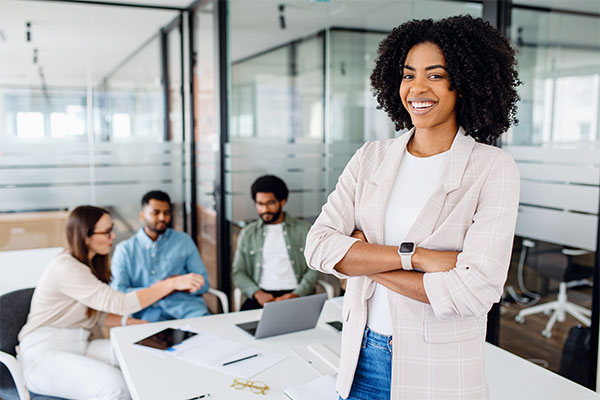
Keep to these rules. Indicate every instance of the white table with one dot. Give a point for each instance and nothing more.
(151, 377)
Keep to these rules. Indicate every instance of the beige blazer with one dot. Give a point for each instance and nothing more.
(438, 348)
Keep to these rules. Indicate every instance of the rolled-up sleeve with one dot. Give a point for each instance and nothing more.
(329, 240)
(477, 282)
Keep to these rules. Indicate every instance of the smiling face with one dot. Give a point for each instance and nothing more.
(425, 89)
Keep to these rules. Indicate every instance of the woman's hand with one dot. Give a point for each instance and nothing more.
(359, 235)
(188, 282)
(434, 260)
(424, 259)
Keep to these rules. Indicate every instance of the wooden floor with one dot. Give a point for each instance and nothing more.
(526, 340)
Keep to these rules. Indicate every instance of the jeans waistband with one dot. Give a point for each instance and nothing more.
(376, 339)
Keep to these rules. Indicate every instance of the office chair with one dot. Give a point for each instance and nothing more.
(238, 296)
(223, 300)
(559, 265)
(14, 307)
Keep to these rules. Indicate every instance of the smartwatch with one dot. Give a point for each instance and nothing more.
(406, 250)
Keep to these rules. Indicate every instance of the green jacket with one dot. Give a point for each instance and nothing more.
(247, 262)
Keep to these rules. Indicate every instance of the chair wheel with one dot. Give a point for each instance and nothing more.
(547, 334)
(520, 319)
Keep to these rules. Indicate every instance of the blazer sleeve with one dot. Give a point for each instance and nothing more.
(310, 277)
(477, 282)
(329, 239)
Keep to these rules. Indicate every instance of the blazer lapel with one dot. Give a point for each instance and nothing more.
(385, 177)
(450, 180)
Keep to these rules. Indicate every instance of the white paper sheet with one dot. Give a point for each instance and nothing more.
(220, 351)
(322, 388)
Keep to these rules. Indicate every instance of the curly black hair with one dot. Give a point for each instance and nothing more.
(481, 65)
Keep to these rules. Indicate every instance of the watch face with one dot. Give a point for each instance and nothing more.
(407, 247)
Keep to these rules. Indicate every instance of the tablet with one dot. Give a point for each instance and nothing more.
(166, 338)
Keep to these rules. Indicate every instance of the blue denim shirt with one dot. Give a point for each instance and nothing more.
(138, 262)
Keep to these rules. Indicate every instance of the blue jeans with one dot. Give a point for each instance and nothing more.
(373, 376)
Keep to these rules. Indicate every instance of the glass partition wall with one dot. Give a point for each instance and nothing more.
(301, 105)
(557, 148)
(81, 118)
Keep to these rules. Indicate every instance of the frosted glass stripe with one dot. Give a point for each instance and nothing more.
(83, 147)
(312, 161)
(560, 173)
(60, 197)
(260, 149)
(78, 154)
(240, 181)
(42, 176)
(564, 228)
(566, 197)
(553, 155)
(36, 159)
(343, 147)
(241, 208)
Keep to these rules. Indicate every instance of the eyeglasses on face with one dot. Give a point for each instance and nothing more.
(257, 387)
(268, 204)
(107, 232)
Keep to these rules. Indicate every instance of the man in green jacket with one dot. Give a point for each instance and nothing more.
(269, 262)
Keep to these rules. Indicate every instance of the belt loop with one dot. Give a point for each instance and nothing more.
(365, 337)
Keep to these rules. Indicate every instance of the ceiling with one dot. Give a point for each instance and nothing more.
(81, 43)
(76, 43)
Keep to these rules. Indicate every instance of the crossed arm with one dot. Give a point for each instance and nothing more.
(382, 264)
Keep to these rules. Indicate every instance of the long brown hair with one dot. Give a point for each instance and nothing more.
(80, 226)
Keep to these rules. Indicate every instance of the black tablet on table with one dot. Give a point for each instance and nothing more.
(166, 338)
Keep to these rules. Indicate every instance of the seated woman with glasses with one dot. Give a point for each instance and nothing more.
(71, 297)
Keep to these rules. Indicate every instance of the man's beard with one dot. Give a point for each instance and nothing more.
(273, 219)
(153, 228)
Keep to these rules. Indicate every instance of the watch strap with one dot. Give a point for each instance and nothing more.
(406, 260)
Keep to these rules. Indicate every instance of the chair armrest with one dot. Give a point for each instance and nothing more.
(222, 299)
(328, 287)
(15, 370)
(237, 299)
(574, 252)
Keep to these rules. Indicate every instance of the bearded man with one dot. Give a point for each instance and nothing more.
(269, 263)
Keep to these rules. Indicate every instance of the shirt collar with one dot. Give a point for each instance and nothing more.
(145, 239)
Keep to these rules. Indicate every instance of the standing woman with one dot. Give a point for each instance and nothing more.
(422, 225)
(71, 297)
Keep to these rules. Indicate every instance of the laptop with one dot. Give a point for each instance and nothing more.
(286, 316)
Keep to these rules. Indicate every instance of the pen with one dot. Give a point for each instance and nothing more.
(202, 396)
(241, 359)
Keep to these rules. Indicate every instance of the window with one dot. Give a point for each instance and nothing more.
(30, 125)
(121, 125)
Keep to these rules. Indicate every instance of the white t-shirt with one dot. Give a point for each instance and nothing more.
(416, 180)
(277, 272)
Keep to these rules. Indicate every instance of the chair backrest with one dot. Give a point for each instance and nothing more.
(14, 308)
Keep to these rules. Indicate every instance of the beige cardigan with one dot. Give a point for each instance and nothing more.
(438, 348)
(66, 290)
